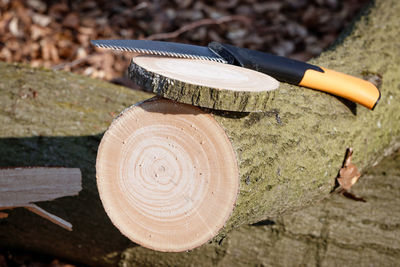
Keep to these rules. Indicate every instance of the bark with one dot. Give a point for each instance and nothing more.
(335, 232)
(57, 119)
(289, 155)
(21, 186)
(205, 96)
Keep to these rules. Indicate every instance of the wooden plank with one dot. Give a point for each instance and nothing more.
(51, 217)
(21, 186)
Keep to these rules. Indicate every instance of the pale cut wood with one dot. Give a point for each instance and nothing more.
(41, 212)
(204, 83)
(167, 175)
(275, 149)
(51, 217)
(20, 186)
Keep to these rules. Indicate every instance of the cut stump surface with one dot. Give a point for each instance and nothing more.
(167, 175)
(204, 83)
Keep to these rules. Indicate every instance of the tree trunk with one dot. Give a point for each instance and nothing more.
(209, 84)
(21, 187)
(288, 156)
(335, 232)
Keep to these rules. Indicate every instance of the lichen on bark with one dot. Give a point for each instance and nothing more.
(197, 95)
(289, 155)
(289, 163)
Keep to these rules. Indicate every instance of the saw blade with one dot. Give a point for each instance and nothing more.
(160, 48)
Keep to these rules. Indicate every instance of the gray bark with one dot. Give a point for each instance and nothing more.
(306, 134)
(334, 232)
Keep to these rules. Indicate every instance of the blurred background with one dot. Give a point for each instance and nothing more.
(56, 34)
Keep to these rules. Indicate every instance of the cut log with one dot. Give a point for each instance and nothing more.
(167, 175)
(204, 83)
(289, 160)
(335, 232)
(51, 217)
(296, 149)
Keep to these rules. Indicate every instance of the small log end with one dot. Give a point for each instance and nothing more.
(204, 83)
(167, 175)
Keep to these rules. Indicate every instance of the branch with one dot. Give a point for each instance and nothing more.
(197, 24)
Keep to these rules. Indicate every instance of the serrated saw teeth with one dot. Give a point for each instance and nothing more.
(158, 53)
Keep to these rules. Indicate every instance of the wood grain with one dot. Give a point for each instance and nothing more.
(47, 215)
(20, 186)
(204, 83)
(167, 175)
(289, 157)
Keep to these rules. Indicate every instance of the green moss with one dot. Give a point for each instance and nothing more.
(300, 157)
(67, 104)
(333, 232)
(288, 156)
(53, 118)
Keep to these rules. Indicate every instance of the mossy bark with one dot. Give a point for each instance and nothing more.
(334, 232)
(202, 96)
(51, 118)
(288, 156)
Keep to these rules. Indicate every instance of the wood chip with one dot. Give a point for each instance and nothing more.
(21, 186)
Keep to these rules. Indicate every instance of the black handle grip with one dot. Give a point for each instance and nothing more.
(301, 73)
(281, 68)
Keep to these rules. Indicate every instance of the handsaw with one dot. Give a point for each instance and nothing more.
(281, 68)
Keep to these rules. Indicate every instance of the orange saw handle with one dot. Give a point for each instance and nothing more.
(343, 85)
(300, 73)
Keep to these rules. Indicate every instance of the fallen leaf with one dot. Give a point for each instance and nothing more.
(71, 20)
(348, 174)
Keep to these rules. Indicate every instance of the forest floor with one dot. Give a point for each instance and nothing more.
(56, 34)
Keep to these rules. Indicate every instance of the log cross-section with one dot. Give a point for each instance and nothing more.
(289, 157)
(167, 175)
(21, 187)
(204, 83)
